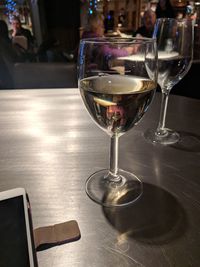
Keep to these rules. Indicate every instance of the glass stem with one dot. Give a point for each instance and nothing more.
(113, 173)
(161, 126)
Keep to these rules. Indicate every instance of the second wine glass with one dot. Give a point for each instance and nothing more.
(175, 52)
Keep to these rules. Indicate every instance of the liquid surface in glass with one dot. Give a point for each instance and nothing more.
(117, 102)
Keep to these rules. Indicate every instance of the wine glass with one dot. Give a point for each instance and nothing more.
(175, 52)
(117, 81)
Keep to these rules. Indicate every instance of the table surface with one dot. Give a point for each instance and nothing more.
(50, 145)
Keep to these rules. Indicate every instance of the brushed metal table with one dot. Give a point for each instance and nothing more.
(50, 145)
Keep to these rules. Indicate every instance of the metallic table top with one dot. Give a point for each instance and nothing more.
(50, 145)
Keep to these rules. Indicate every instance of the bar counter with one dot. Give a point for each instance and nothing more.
(50, 145)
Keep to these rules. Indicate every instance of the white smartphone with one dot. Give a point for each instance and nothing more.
(16, 232)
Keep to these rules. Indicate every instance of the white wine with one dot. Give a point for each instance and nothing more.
(117, 102)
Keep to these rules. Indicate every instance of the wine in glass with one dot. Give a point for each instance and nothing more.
(117, 81)
(175, 51)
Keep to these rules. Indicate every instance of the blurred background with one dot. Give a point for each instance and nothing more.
(57, 26)
(65, 20)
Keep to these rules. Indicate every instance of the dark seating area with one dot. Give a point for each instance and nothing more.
(45, 75)
(64, 75)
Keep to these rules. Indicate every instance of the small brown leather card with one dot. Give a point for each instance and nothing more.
(54, 235)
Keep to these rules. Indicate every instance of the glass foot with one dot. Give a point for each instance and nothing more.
(113, 194)
(167, 137)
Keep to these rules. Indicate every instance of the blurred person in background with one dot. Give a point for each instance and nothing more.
(4, 34)
(7, 58)
(26, 44)
(104, 54)
(95, 26)
(146, 30)
(95, 29)
(164, 9)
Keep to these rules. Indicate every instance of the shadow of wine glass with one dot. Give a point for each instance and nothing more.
(189, 142)
(156, 218)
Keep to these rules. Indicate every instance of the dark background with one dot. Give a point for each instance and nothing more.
(62, 21)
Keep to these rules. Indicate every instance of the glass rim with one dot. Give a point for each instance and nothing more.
(118, 40)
